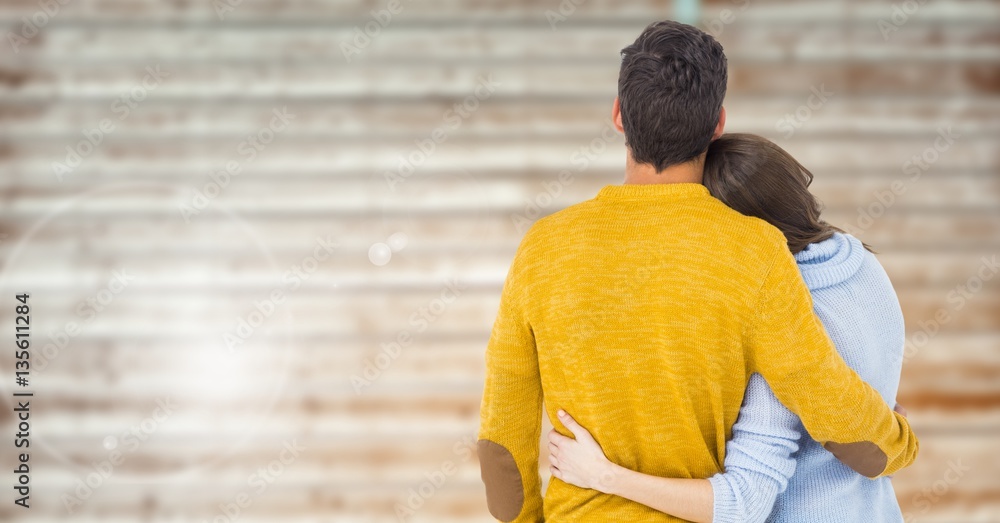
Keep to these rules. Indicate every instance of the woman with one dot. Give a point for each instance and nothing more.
(851, 295)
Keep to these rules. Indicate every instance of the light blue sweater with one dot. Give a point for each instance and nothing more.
(774, 470)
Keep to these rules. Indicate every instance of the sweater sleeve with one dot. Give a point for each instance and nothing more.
(790, 349)
(511, 411)
(758, 458)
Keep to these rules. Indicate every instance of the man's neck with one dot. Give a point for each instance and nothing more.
(644, 173)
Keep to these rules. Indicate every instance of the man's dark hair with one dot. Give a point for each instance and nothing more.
(670, 89)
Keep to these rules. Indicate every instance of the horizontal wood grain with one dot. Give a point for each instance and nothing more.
(454, 222)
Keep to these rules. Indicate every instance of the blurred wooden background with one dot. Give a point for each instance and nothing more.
(420, 257)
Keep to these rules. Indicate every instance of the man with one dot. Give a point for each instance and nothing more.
(645, 310)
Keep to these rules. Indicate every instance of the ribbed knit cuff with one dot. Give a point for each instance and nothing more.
(726, 507)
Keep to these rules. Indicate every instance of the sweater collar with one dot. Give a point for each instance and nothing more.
(830, 261)
(633, 191)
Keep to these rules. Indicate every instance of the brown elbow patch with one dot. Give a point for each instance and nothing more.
(863, 456)
(504, 489)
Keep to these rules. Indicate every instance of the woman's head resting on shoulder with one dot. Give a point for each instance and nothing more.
(755, 177)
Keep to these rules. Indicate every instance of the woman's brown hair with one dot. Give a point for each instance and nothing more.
(755, 177)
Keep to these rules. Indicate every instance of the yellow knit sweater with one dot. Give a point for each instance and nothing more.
(643, 313)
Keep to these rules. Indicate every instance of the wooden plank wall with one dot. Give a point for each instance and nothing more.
(302, 338)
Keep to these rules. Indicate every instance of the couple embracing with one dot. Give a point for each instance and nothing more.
(706, 347)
